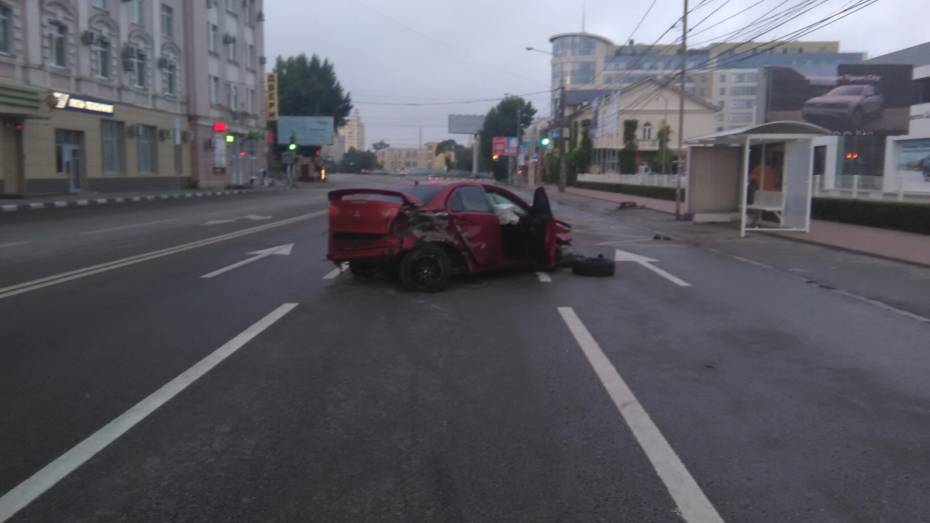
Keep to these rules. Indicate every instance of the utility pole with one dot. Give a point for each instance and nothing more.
(563, 140)
(476, 145)
(681, 110)
(513, 159)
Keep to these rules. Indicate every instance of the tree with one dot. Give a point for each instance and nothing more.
(354, 161)
(309, 87)
(630, 148)
(379, 145)
(445, 146)
(663, 160)
(580, 158)
(501, 120)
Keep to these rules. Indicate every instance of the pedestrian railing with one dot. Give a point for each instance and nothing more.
(650, 180)
(864, 187)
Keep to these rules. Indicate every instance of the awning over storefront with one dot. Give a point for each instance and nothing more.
(21, 100)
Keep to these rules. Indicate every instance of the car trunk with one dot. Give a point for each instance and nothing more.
(360, 222)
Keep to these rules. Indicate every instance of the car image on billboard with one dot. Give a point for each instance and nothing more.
(861, 98)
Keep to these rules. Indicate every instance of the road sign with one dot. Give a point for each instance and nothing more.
(506, 146)
(305, 130)
(271, 96)
(465, 123)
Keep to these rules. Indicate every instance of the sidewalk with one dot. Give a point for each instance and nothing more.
(98, 199)
(884, 243)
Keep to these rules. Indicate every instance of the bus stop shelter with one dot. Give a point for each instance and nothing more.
(760, 175)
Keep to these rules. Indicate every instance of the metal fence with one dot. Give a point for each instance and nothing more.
(860, 187)
(650, 180)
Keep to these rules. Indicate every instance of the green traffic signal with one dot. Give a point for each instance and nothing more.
(545, 141)
(292, 147)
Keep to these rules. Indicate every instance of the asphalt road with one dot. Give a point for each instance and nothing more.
(736, 380)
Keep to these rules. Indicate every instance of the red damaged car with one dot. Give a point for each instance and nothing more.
(429, 231)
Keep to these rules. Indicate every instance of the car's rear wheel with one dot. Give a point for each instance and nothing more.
(426, 268)
(364, 269)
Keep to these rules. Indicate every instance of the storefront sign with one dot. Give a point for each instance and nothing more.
(82, 104)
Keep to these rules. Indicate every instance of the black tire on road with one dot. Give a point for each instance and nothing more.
(600, 266)
(364, 269)
(427, 268)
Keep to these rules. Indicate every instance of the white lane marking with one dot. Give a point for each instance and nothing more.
(692, 503)
(13, 244)
(543, 277)
(102, 201)
(10, 208)
(132, 226)
(280, 250)
(119, 200)
(59, 205)
(624, 256)
(136, 199)
(82, 203)
(335, 273)
(36, 205)
(27, 491)
(49, 281)
(883, 305)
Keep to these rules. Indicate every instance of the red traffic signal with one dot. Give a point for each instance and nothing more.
(220, 127)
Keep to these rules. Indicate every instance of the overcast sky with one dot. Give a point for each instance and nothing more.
(403, 51)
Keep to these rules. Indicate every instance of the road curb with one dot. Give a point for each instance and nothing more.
(849, 250)
(99, 202)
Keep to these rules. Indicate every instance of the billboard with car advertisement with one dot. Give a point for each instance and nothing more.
(870, 99)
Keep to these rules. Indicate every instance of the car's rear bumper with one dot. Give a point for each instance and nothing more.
(378, 249)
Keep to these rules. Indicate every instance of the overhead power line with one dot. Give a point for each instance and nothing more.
(452, 102)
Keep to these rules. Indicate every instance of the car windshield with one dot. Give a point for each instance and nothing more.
(424, 192)
(849, 90)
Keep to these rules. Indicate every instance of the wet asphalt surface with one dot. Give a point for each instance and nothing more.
(790, 380)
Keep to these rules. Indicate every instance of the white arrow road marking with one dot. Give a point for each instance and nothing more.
(337, 272)
(624, 256)
(280, 250)
(691, 501)
(57, 279)
(13, 244)
(218, 222)
(543, 277)
(27, 491)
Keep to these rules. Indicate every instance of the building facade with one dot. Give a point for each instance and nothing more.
(92, 96)
(396, 160)
(226, 76)
(726, 74)
(353, 132)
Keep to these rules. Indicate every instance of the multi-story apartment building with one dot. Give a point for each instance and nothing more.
(226, 72)
(92, 95)
(353, 132)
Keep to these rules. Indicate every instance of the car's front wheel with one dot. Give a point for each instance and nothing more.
(426, 268)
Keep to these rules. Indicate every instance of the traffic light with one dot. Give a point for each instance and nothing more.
(292, 147)
(495, 157)
(545, 142)
(230, 138)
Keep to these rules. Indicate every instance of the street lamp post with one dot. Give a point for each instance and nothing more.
(561, 122)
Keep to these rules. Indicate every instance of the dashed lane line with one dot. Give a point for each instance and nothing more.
(40, 482)
(337, 272)
(688, 496)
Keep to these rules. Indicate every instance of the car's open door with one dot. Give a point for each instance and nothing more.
(543, 230)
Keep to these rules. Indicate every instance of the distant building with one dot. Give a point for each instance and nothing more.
(396, 160)
(589, 66)
(353, 132)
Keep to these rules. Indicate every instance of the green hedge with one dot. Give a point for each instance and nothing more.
(659, 193)
(908, 217)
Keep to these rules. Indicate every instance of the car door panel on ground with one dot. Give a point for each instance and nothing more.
(476, 222)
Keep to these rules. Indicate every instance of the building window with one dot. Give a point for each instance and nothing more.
(57, 44)
(249, 12)
(170, 77)
(103, 50)
(723, 91)
(743, 104)
(147, 149)
(214, 90)
(137, 65)
(6, 29)
(742, 91)
(250, 100)
(213, 35)
(136, 9)
(723, 78)
(232, 7)
(232, 48)
(167, 21)
(647, 132)
(250, 58)
(99, 4)
(111, 134)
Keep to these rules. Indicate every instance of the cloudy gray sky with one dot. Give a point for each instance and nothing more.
(424, 51)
